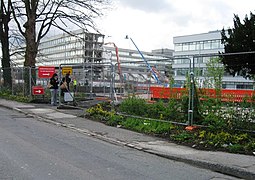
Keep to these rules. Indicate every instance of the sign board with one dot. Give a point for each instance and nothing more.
(37, 90)
(46, 71)
(66, 70)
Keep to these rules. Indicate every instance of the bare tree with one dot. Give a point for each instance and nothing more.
(34, 19)
(5, 18)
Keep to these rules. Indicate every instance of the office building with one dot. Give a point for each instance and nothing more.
(199, 45)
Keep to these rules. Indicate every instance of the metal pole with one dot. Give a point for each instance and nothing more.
(103, 81)
(192, 95)
(111, 80)
(30, 81)
(92, 61)
(111, 85)
(59, 80)
(148, 65)
(91, 80)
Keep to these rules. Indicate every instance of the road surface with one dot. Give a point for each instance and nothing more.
(31, 149)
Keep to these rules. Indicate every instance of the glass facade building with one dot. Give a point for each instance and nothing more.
(200, 48)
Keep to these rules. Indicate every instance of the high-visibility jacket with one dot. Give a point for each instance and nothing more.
(74, 82)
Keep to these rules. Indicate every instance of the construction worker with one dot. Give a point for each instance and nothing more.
(74, 85)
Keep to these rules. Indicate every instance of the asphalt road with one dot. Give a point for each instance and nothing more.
(31, 149)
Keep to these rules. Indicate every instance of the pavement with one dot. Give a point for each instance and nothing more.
(237, 165)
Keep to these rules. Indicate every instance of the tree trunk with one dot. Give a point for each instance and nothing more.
(4, 36)
(6, 62)
(30, 54)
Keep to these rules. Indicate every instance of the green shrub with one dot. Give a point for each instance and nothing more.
(134, 106)
(220, 139)
(114, 120)
(99, 113)
(221, 121)
(214, 122)
(235, 148)
(250, 146)
(156, 110)
(182, 136)
(173, 111)
(132, 123)
(6, 94)
(147, 126)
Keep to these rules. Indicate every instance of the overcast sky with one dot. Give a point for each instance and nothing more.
(152, 24)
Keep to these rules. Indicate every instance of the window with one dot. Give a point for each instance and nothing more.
(198, 60)
(178, 47)
(199, 46)
(192, 46)
(206, 59)
(185, 47)
(207, 44)
(182, 72)
(215, 44)
(244, 86)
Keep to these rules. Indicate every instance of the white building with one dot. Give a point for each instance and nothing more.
(85, 48)
(199, 45)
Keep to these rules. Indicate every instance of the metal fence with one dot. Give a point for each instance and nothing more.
(18, 85)
(136, 78)
(93, 79)
(104, 80)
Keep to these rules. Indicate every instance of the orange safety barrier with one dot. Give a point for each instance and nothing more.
(165, 93)
(226, 95)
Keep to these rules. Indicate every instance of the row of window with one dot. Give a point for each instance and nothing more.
(198, 72)
(132, 55)
(58, 62)
(63, 55)
(198, 45)
(64, 47)
(71, 40)
(67, 38)
(197, 60)
(62, 40)
(225, 85)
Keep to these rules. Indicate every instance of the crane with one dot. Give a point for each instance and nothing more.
(148, 65)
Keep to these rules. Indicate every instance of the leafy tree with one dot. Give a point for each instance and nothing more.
(241, 38)
(35, 18)
(5, 18)
(214, 75)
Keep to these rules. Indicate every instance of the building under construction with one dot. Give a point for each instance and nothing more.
(92, 59)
